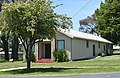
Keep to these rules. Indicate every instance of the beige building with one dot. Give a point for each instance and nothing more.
(77, 44)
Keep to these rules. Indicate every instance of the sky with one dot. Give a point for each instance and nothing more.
(77, 9)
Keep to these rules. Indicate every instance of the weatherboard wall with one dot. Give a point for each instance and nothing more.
(60, 36)
(81, 51)
(76, 47)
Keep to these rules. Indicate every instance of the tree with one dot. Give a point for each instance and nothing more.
(88, 25)
(108, 20)
(15, 46)
(4, 42)
(0, 5)
(32, 21)
(5, 39)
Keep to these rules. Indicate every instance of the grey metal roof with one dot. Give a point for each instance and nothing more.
(76, 34)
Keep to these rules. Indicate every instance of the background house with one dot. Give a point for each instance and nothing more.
(116, 47)
(77, 44)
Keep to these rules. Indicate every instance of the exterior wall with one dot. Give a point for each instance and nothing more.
(42, 49)
(108, 48)
(80, 50)
(111, 48)
(76, 48)
(36, 51)
(67, 39)
(52, 47)
(103, 47)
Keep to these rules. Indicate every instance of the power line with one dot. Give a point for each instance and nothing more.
(81, 8)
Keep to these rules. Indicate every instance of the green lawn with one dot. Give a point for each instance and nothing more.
(96, 65)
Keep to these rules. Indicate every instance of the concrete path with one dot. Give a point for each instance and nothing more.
(12, 69)
(103, 75)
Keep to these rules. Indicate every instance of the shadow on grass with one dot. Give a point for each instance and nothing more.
(85, 59)
(116, 53)
(3, 61)
(37, 70)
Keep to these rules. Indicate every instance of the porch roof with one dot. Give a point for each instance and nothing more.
(45, 40)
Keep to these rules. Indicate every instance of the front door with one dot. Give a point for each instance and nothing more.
(47, 50)
(93, 50)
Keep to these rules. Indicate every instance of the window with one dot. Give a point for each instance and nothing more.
(104, 47)
(99, 44)
(87, 44)
(60, 44)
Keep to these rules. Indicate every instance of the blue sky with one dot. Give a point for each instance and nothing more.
(74, 9)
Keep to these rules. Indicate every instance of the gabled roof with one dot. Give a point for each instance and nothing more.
(76, 34)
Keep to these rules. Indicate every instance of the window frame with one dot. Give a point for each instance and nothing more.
(98, 44)
(104, 47)
(63, 44)
(87, 44)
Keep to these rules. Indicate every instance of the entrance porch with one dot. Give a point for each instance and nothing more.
(43, 51)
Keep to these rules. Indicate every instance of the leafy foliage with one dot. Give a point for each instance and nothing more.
(108, 20)
(88, 25)
(32, 57)
(60, 56)
(35, 20)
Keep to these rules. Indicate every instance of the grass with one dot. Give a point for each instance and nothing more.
(96, 65)
(58, 71)
(6, 64)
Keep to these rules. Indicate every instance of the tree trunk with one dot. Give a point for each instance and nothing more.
(15, 45)
(5, 47)
(28, 63)
(28, 57)
(28, 49)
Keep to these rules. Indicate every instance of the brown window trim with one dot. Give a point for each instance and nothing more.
(63, 44)
(99, 44)
(87, 43)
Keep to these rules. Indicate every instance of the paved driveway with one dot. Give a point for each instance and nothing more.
(106, 75)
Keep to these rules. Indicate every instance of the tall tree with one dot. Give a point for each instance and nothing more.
(32, 21)
(5, 46)
(15, 46)
(88, 25)
(108, 20)
(4, 37)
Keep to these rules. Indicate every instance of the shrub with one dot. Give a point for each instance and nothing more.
(60, 56)
(32, 58)
(20, 57)
(2, 57)
(101, 54)
(55, 55)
